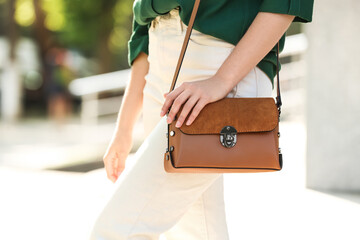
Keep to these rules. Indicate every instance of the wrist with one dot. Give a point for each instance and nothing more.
(224, 81)
(122, 131)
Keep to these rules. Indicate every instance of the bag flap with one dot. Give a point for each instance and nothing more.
(244, 114)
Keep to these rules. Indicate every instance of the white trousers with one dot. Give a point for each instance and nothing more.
(149, 203)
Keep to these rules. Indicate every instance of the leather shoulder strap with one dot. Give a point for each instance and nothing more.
(185, 44)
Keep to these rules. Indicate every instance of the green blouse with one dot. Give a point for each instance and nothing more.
(226, 19)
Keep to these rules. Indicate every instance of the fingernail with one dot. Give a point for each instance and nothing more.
(177, 124)
(161, 113)
(188, 122)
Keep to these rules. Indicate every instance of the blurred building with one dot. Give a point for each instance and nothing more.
(333, 97)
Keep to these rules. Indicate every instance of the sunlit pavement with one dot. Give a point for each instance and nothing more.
(36, 204)
(43, 144)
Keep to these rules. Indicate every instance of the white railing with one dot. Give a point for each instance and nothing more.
(90, 90)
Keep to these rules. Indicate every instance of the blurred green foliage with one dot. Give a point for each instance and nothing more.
(92, 27)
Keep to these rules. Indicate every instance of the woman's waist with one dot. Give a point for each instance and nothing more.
(203, 57)
(171, 24)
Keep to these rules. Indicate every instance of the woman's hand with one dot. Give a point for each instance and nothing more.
(195, 95)
(260, 38)
(130, 109)
(116, 154)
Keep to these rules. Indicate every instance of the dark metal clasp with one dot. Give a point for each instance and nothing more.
(228, 136)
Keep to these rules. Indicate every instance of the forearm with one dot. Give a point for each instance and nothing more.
(133, 97)
(262, 35)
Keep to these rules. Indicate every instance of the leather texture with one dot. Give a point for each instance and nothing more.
(254, 151)
(198, 148)
(244, 114)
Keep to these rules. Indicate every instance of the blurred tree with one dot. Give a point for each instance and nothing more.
(97, 28)
(10, 83)
(11, 29)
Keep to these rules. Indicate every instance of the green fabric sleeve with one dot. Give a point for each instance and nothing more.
(139, 41)
(301, 9)
(143, 11)
(164, 6)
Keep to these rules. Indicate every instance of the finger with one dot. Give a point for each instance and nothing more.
(108, 173)
(120, 168)
(185, 110)
(109, 167)
(168, 102)
(162, 112)
(170, 98)
(115, 165)
(196, 110)
(120, 165)
(178, 102)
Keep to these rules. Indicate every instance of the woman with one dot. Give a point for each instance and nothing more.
(231, 53)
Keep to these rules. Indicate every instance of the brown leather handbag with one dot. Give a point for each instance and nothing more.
(228, 136)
